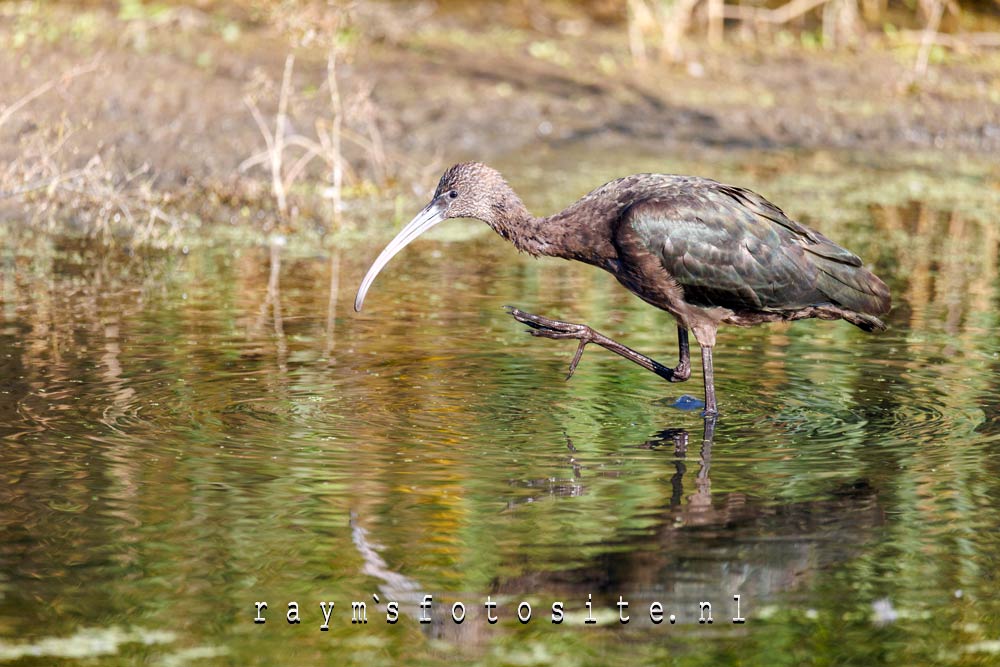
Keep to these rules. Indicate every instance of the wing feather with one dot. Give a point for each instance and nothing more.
(730, 247)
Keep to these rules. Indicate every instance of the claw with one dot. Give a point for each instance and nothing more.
(576, 359)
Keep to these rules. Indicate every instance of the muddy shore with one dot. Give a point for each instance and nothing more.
(164, 100)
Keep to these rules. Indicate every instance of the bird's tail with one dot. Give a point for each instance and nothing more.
(843, 279)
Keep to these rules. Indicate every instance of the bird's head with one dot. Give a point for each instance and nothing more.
(469, 190)
(466, 190)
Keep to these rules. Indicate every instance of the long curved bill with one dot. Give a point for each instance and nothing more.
(432, 214)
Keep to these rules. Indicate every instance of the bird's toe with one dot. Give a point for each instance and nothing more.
(557, 334)
(543, 326)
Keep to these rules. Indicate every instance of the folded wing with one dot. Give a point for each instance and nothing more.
(730, 247)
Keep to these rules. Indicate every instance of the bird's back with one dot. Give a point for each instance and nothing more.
(728, 247)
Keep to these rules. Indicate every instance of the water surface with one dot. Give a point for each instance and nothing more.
(185, 434)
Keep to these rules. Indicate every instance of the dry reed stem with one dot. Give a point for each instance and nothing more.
(8, 112)
(927, 41)
(280, 124)
(673, 26)
(368, 112)
(716, 17)
(639, 19)
(274, 141)
(778, 16)
(336, 133)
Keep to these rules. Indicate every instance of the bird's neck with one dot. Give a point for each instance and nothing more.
(569, 234)
(510, 218)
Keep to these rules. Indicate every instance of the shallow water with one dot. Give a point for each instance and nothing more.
(187, 434)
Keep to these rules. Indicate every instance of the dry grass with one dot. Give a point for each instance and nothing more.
(352, 125)
(289, 142)
(668, 24)
(100, 199)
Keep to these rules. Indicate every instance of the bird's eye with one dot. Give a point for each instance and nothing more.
(453, 194)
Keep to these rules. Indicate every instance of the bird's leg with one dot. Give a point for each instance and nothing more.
(711, 409)
(683, 370)
(546, 328)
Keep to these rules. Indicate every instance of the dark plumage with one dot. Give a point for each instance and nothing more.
(705, 252)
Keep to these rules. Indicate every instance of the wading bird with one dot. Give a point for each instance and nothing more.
(705, 252)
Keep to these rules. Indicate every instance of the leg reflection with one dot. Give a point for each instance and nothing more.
(678, 439)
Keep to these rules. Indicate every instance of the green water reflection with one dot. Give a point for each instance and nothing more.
(186, 434)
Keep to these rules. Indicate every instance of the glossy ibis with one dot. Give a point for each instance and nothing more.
(705, 252)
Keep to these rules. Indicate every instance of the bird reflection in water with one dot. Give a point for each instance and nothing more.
(676, 439)
(703, 546)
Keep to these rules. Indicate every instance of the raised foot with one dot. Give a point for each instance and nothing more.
(546, 328)
(557, 330)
